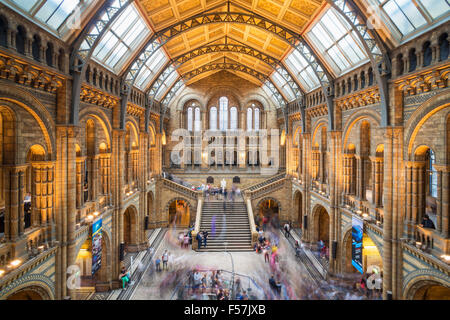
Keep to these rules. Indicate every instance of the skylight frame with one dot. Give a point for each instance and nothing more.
(120, 37)
(335, 56)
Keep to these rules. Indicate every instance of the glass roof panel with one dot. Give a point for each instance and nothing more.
(151, 69)
(52, 13)
(334, 38)
(302, 71)
(125, 35)
(408, 16)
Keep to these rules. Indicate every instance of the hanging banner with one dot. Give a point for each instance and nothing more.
(96, 245)
(357, 241)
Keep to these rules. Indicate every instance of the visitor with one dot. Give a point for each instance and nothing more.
(265, 221)
(203, 283)
(197, 280)
(320, 245)
(199, 239)
(125, 277)
(205, 237)
(220, 295)
(427, 222)
(297, 249)
(181, 239)
(287, 230)
(243, 296)
(186, 241)
(165, 259)
(158, 264)
(266, 252)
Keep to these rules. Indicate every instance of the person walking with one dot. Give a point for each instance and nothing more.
(205, 237)
(199, 239)
(165, 259)
(266, 252)
(158, 264)
(186, 241)
(125, 277)
(286, 230)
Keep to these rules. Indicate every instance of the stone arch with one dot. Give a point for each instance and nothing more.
(321, 224)
(418, 280)
(346, 251)
(186, 98)
(258, 98)
(130, 226)
(131, 122)
(420, 116)
(371, 116)
(31, 292)
(191, 211)
(317, 126)
(298, 203)
(102, 119)
(40, 283)
(14, 97)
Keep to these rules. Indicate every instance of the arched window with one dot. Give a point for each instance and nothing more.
(198, 121)
(257, 119)
(427, 54)
(21, 35)
(213, 118)
(433, 174)
(443, 47)
(412, 60)
(49, 54)
(223, 113)
(249, 119)
(233, 118)
(36, 48)
(3, 32)
(189, 119)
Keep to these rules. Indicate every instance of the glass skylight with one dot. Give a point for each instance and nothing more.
(409, 16)
(123, 38)
(150, 69)
(333, 37)
(53, 13)
(283, 85)
(167, 84)
(302, 70)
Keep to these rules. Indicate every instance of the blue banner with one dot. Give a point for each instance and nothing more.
(96, 245)
(357, 241)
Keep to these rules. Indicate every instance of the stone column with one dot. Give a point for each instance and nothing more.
(80, 182)
(443, 200)
(14, 192)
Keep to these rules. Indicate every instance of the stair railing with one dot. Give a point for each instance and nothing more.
(251, 220)
(198, 218)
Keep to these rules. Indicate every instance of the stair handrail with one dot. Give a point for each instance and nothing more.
(197, 222)
(177, 187)
(255, 193)
(265, 182)
(251, 220)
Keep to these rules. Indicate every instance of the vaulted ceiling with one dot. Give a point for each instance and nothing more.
(292, 14)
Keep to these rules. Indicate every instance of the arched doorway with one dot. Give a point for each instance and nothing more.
(371, 257)
(298, 207)
(432, 291)
(29, 293)
(321, 225)
(129, 226)
(269, 208)
(179, 215)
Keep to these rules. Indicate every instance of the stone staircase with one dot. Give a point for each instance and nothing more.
(232, 228)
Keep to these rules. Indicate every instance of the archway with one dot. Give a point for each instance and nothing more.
(29, 293)
(371, 258)
(321, 225)
(269, 209)
(129, 226)
(179, 213)
(431, 290)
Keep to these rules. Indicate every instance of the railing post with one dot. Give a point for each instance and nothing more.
(251, 219)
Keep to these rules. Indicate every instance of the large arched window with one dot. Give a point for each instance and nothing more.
(223, 113)
(249, 119)
(197, 121)
(257, 119)
(233, 118)
(213, 118)
(189, 119)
